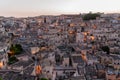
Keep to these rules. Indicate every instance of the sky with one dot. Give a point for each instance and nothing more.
(25, 8)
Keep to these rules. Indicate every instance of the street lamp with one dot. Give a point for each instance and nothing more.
(1, 64)
(92, 38)
(38, 70)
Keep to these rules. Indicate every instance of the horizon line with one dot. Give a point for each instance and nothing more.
(57, 14)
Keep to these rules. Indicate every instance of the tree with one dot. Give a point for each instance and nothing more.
(16, 49)
(106, 49)
(12, 60)
(57, 57)
(91, 16)
(1, 78)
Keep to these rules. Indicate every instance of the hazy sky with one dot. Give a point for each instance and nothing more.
(20, 8)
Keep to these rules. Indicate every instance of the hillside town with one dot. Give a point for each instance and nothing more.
(64, 47)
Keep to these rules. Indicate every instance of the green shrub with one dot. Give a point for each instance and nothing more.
(43, 79)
